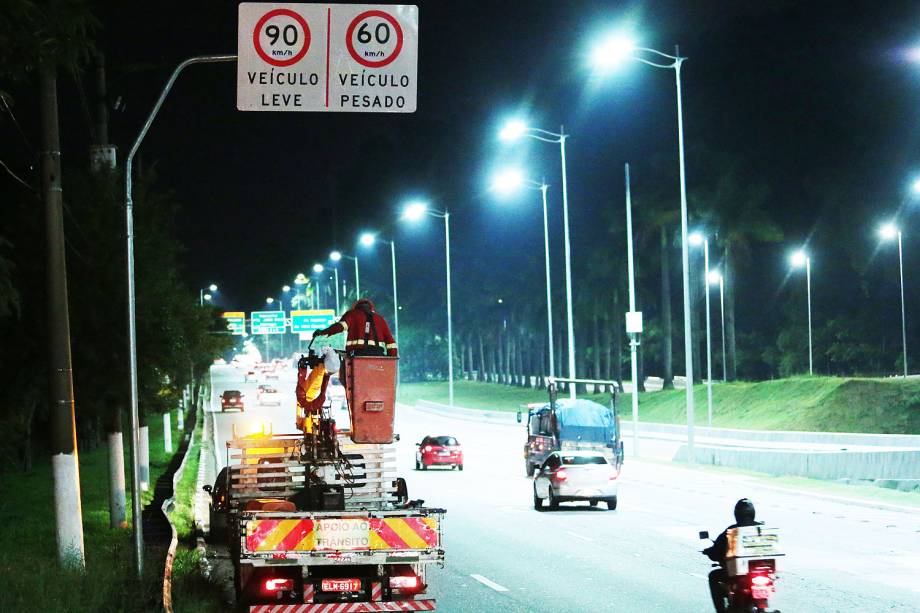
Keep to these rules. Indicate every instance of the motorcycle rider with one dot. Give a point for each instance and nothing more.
(744, 516)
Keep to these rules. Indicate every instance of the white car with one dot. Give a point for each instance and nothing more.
(269, 395)
(567, 476)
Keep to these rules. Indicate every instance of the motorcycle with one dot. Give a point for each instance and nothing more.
(750, 568)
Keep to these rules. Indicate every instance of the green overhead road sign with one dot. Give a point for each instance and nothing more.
(315, 319)
(236, 322)
(267, 322)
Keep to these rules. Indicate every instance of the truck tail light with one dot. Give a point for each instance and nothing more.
(404, 582)
(279, 585)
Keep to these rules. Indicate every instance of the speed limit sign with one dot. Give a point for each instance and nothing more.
(327, 57)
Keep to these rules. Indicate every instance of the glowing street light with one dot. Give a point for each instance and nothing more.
(202, 296)
(506, 182)
(367, 239)
(697, 239)
(212, 287)
(207, 297)
(513, 130)
(615, 50)
(915, 186)
(716, 278)
(318, 268)
(888, 232)
(415, 211)
(801, 259)
(335, 256)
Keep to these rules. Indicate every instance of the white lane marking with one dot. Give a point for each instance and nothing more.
(488, 583)
(579, 536)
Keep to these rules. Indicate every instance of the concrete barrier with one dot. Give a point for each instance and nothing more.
(861, 465)
(780, 436)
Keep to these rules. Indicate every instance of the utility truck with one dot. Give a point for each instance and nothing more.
(318, 521)
(572, 425)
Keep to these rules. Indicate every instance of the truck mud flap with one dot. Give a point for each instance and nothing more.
(347, 607)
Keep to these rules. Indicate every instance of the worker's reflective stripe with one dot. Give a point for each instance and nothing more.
(390, 346)
(361, 341)
(344, 325)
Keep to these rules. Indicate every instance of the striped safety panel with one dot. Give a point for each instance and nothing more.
(375, 534)
(347, 607)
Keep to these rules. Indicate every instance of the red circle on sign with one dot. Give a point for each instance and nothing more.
(351, 45)
(258, 45)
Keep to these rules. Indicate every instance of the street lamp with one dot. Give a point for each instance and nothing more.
(697, 239)
(268, 350)
(207, 297)
(201, 294)
(798, 260)
(368, 239)
(415, 211)
(514, 130)
(889, 231)
(915, 186)
(715, 278)
(508, 181)
(336, 257)
(611, 53)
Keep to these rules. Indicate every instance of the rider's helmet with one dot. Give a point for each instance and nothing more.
(744, 512)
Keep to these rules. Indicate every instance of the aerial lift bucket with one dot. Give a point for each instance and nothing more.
(370, 389)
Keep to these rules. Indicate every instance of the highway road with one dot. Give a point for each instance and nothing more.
(502, 555)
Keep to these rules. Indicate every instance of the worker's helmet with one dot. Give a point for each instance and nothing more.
(744, 512)
(364, 304)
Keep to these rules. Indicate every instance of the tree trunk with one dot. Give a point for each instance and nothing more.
(596, 343)
(608, 349)
(617, 341)
(729, 283)
(482, 359)
(695, 336)
(64, 458)
(666, 323)
(117, 499)
(462, 352)
(469, 354)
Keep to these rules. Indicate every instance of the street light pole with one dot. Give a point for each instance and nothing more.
(811, 369)
(633, 336)
(132, 323)
(722, 320)
(337, 309)
(903, 314)
(395, 298)
(450, 335)
(708, 334)
(549, 298)
(570, 324)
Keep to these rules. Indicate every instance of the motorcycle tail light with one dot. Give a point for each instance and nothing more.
(761, 581)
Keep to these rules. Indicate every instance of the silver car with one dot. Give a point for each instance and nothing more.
(575, 475)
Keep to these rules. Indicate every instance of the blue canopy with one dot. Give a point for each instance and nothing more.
(584, 420)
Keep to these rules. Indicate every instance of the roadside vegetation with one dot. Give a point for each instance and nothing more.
(833, 404)
(30, 574)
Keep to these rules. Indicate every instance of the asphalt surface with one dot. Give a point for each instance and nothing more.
(502, 555)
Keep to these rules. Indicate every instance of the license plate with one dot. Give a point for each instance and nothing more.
(341, 585)
(443, 453)
(761, 593)
(589, 492)
(339, 534)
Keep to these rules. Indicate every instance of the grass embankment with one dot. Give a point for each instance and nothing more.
(191, 592)
(800, 403)
(29, 573)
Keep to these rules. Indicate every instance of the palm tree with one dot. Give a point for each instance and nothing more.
(735, 208)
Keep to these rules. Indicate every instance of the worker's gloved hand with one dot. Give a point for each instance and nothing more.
(320, 332)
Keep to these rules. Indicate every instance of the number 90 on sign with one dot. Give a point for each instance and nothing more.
(374, 39)
(281, 37)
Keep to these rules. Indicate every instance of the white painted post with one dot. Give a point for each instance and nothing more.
(180, 418)
(143, 460)
(117, 501)
(167, 432)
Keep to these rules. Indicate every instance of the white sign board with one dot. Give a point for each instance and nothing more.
(327, 57)
(634, 322)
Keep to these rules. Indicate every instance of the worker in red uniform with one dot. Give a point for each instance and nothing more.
(368, 332)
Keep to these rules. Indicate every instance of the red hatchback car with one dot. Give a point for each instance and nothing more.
(438, 451)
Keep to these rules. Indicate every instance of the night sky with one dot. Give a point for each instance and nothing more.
(813, 99)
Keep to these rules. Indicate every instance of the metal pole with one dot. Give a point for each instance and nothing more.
(568, 264)
(633, 337)
(685, 258)
(357, 281)
(450, 332)
(132, 324)
(395, 298)
(903, 315)
(549, 298)
(808, 291)
(722, 319)
(337, 309)
(708, 334)
(201, 297)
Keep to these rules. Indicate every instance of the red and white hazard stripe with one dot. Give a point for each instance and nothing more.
(376, 591)
(308, 591)
(347, 607)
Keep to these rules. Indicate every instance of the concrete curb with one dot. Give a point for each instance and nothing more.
(174, 541)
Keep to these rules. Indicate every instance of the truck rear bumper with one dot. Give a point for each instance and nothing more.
(347, 607)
